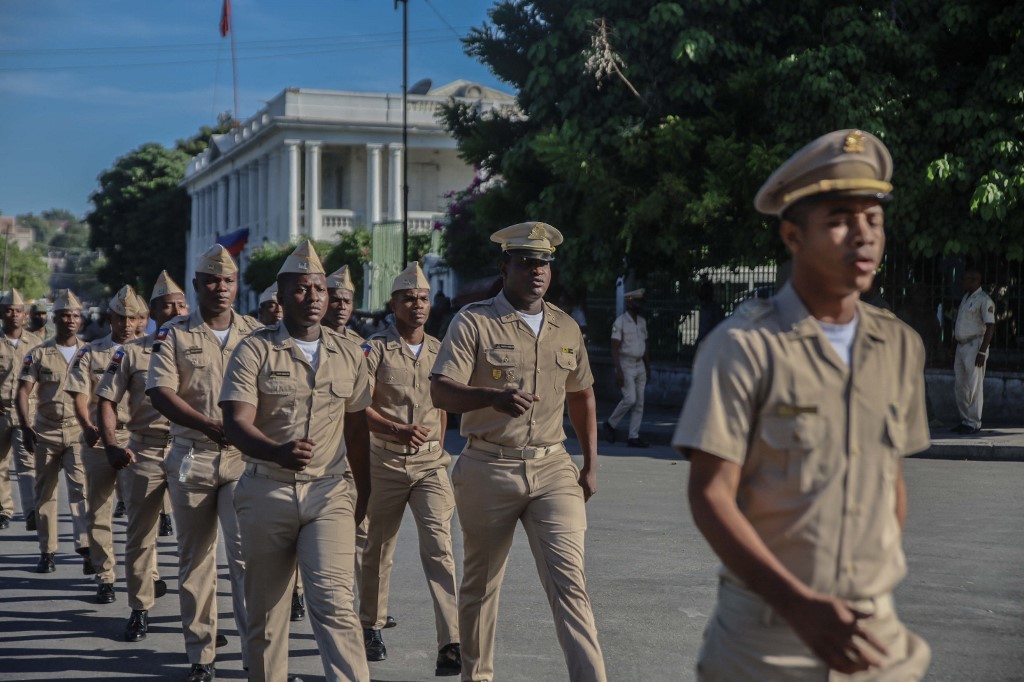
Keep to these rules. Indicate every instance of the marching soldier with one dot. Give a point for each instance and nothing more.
(341, 303)
(100, 477)
(54, 432)
(510, 364)
(269, 308)
(141, 462)
(294, 399)
(800, 412)
(15, 344)
(185, 375)
(408, 466)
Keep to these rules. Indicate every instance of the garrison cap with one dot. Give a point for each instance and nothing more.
(165, 286)
(410, 278)
(125, 302)
(532, 239)
(12, 297)
(341, 279)
(269, 294)
(303, 261)
(216, 261)
(67, 301)
(636, 293)
(843, 163)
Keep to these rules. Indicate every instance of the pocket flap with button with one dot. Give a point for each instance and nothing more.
(499, 357)
(342, 388)
(566, 360)
(394, 376)
(799, 432)
(895, 432)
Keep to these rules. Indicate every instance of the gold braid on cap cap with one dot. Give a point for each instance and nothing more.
(837, 185)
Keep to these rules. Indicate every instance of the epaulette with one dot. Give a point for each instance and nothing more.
(753, 309)
(253, 323)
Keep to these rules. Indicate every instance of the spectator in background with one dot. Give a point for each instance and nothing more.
(711, 313)
(973, 329)
(632, 369)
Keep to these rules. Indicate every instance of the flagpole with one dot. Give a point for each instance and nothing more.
(234, 72)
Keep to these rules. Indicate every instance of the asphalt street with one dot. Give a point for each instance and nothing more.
(650, 575)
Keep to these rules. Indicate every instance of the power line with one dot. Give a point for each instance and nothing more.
(443, 20)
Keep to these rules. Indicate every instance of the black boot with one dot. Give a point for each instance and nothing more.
(137, 626)
(46, 564)
(449, 660)
(298, 607)
(166, 528)
(201, 672)
(375, 649)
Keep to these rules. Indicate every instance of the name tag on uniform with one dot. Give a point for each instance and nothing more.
(505, 346)
(193, 350)
(794, 410)
(280, 373)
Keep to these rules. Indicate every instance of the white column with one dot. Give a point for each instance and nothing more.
(232, 202)
(196, 197)
(373, 169)
(254, 196)
(222, 206)
(273, 224)
(293, 188)
(211, 209)
(243, 196)
(313, 188)
(262, 210)
(395, 183)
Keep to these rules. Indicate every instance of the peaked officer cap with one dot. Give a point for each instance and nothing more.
(532, 239)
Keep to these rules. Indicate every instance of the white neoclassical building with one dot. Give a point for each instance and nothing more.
(313, 163)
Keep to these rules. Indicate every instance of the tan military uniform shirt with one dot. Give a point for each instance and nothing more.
(11, 358)
(46, 365)
(86, 371)
(975, 311)
(351, 335)
(126, 374)
(632, 334)
(188, 359)
(489, 344)
(400, 381)
(818, 443)
(295, 401)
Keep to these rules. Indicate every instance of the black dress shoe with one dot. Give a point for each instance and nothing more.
(105, 593)
(637, 443)
(46, 564)
(390, 622)
(87, 567)
(375, 649)
(159, 588)
(449, 660)
(137, 626)
(609, 431)
(298, 607)
(201, 672)
(5, 521)
(119, 510)
(30, 520)
(166, 528)
(220, 640)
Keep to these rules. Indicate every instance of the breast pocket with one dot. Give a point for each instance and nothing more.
(393, 376)
(565, 364)
(197, 360)
(502, 366)
(277, 395)
(797, 454)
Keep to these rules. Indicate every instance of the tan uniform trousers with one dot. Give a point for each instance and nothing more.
(309, 523)
(746, 640)
(11, 449)
(492, 494)
(145, 488)
(970, 382)
(100, 480)
(203, 498)
(421, 481)
(55, 451)
(634, 384)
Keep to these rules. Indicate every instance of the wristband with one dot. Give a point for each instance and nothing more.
(983, 352)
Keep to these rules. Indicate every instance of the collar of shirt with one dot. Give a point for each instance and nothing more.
(282, 340)
(393, 340)
(507, 313)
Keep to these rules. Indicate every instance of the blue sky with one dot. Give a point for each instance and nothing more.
(83, 82)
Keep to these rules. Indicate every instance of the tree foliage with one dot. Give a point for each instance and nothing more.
(646, 127)
(26, 270)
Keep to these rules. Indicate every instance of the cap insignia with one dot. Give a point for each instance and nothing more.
(537, 232)
(854, 143)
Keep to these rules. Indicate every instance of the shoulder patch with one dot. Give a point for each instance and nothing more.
(366, 349)
(28, 360)
(162, 333)
(81, 354)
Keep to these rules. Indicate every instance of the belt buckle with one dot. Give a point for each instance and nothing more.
(301, 477)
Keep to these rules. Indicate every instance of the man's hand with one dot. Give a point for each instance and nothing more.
(119, 458)
(413, 435)
(514, 402)
(831, 629)
(28, 439)
(214, 430)
(588, 481)
(91, 434)
(295, 455)
(980, 358)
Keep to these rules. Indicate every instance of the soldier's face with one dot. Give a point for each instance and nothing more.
(411, 307)
(270, 312)
(526, 278)
(167, 307)
(13, 317)
(40, 318)
(121, 328)
(971, 282)
(339, 308)
(304, 299)
(216, 293)
(840, 245)
(66, 323)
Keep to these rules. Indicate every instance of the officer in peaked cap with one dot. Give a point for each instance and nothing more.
(52, 434)
(510, 364)
(812, 555)
(15, 344)
(186, 372)
(283, 392)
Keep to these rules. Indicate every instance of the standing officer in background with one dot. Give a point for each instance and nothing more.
(54, 432)
(15, 344)
(294, 399)
(975, 324)
(510, 363)
(141, 463)
(186, 371)
(270, 309)
(632, 368)
(408, 466)
(100, 477)
(800, 412)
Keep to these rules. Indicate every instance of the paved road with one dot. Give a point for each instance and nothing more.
(650, 574)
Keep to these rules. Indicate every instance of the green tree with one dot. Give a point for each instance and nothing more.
(25, 271)
(645, 128)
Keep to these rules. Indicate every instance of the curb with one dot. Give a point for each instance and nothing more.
(974, 451)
